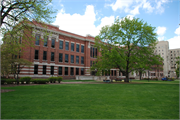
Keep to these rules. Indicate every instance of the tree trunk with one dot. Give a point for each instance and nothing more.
(140, 75)
(127, 77)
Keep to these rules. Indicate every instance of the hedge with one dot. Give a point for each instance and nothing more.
(8, 81)
(54, 79)
(25, 79)
(39, 81)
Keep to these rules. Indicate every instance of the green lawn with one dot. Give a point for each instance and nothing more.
(79, 81)
(91, 101)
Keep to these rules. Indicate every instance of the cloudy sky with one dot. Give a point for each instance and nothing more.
(88, 16)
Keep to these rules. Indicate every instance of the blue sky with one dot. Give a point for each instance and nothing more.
(88, 16)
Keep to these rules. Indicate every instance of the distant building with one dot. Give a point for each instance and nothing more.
(169, 56)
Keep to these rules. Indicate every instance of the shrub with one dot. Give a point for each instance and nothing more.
(53, 79)
(25, 79)
(10, 81)
(3, 81)
(40, 81)
(59, 79)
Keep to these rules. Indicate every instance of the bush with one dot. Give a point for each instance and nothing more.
(53, 79)
(25, 79)
(8, 81)
(3, 81)
(40, 81)
(59, 79)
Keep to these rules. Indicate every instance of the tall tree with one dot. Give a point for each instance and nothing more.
(126, 44)
(178, 66)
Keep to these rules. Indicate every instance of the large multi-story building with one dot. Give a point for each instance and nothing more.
(169, 56)
(61, 53)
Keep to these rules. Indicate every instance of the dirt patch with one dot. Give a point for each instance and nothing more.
(5, 90)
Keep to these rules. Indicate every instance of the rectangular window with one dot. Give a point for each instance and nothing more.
(67, 45)
(77, 59)
(60, 57)
(90, 63)
(37, 39)
(111, 72)
(77, 71)
(72, 46)
(53, 43)
(60, 71)
(66, 58)
(60, 44)
(66, 70)
(44, 55)
(35, 69)
(82, 60)
(36, 55)
(72, 71)
(45, 41)
(82, 71)
(52, 56)
(72, 58)
(82, 48)
(91, 52)
(44, 69)
(52, 70)
(115, 73)
(77, 47)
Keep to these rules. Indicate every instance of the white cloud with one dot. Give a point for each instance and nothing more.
(82, 24)
(161, 38)
(177, 31)
(132, 6)
(161, 30)
(174, 42)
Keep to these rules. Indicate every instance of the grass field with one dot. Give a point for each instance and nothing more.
(91, 101)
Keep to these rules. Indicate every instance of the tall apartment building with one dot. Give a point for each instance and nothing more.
(169, 56)
(173, 54)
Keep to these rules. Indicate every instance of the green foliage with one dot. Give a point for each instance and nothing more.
(178, 66)
(59, 79)
(8, 81)
(52, 79)
(127, 45)
(39, 81)
(25, 79)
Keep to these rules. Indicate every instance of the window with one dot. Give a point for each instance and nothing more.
(53, 43)
(115, 73)
(91, 63)
(37, 39)
(93, 52)
(66, 70)
(111, 72)
(67, 45)
(72, 46)
(52, 70)
(72, 58)
(45, 41)
(77, 47)
(82, 60)
(52, 56)
(44, 55)
(36, 54)
(82, 71)
(60, 57)
(44, 69)
(60, 71)
(66, 58)
(72, 71)
(77, 59)
(35, 69)
(82, 48)
(77, 71)
(60, 44)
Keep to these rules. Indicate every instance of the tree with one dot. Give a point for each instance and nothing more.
(11, 55)
(127, 45)
(178, 66)
(14, 12)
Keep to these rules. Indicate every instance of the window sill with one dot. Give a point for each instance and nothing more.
(52, 61)
(37, 45)
(53, 47)
(45, 46)
(44, 60)
(36, 59)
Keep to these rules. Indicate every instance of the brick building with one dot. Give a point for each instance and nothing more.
(61, 53)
